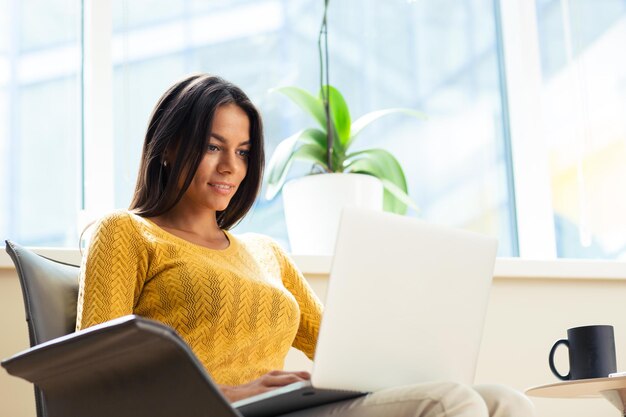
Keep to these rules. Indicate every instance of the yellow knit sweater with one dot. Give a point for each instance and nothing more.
(239, 309)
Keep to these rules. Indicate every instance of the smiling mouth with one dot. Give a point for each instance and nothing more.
(222, 189)
(222, 186)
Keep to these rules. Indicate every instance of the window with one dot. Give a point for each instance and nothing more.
(583, 93)
(525, 140)
(382, 55)
(40, 121)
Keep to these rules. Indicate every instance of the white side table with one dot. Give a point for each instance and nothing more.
(613, 389)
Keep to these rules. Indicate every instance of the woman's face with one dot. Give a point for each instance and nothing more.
(225, 162)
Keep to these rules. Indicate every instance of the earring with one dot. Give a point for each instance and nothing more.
(165, 164)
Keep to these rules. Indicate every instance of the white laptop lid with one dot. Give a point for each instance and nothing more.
(406, 303)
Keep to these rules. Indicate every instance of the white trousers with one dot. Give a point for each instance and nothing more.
(443, 399)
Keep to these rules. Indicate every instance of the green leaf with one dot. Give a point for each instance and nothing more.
(305, 152)
(307, 101)
(383, 165)
(312, 153)
(314, 143)
(363, 121)
(399, 194)
(314, 137)
(339, 114)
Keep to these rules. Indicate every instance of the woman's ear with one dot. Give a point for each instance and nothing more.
(169, 154)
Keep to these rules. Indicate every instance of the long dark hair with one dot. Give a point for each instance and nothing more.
(180, 124)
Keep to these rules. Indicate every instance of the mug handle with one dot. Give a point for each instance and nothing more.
(551, 360)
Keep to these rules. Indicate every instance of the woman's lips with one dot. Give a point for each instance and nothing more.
(222, 188)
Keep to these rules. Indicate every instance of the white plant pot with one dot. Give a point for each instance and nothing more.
(313, 207)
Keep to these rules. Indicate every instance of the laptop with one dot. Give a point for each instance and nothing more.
(405, 304)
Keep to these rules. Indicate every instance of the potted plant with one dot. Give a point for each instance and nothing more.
(381, 183)
(371, 178)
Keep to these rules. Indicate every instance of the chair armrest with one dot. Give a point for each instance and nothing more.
(130, 366)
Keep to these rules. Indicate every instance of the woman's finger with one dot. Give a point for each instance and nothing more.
(274, 380)
(302, 374)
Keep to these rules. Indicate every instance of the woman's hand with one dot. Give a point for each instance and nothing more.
(267, 382)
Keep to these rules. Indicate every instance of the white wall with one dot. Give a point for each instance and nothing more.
(531, 305)
(16, 396)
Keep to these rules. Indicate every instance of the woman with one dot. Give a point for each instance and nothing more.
(239, 302)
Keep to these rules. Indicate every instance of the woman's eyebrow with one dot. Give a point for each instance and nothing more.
(221, 139)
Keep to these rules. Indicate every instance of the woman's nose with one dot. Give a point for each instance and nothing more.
(227, 163)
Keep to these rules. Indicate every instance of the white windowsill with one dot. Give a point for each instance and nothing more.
(504, 268)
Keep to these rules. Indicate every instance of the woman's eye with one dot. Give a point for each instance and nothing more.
(212, 148)
(244, 154)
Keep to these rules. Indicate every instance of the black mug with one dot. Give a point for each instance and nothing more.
(591, 352)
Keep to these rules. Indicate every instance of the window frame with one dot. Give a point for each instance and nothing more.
(97, 107)
(529, 150)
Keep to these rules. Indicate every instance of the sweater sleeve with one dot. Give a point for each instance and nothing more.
(310, 305)
(113, 271)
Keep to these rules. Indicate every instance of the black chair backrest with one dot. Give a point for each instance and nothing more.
(50, 291)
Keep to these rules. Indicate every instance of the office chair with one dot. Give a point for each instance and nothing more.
(129, 366)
